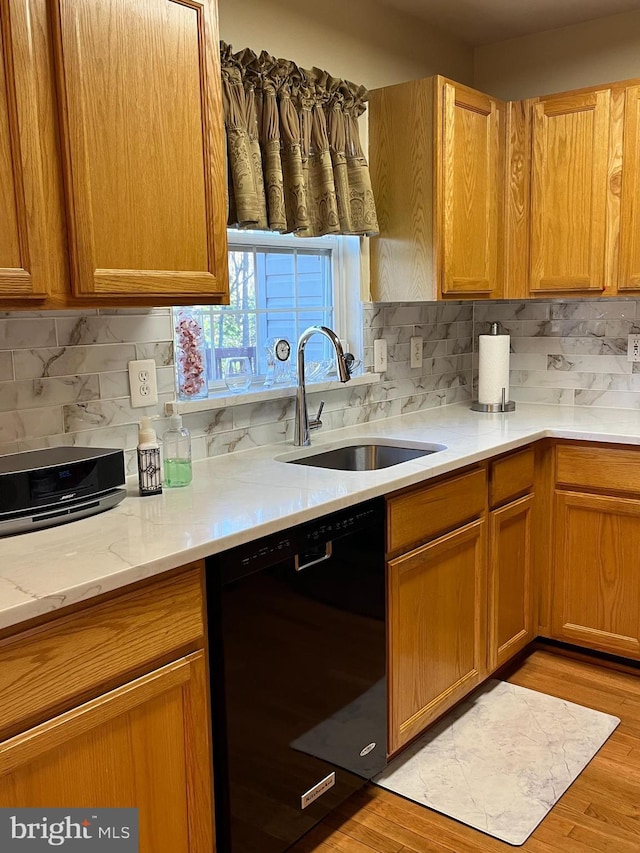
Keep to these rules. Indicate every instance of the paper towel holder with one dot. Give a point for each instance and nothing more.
(504, 405)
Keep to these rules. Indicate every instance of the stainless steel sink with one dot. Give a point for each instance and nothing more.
(365, 456)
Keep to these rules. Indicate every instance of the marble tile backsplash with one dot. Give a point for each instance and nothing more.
(445, 377)
(572, 353)
(64, 380)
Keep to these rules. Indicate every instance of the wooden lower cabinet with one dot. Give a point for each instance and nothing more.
(510, 580)
(107, 705)
(437, 628)
(138, 746)
(596, 589)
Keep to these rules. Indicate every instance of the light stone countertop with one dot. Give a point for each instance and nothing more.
(245, 495)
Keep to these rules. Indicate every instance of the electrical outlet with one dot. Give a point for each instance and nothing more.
(143, 383)
(416, 352)
(380, 355)
(633, 348)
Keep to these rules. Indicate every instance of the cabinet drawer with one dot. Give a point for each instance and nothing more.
(616, 469)
(45, 669)
(426, 512)
(511, 476)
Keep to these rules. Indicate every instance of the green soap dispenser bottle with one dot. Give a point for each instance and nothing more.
(176, 445)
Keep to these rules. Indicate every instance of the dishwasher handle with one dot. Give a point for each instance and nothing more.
(328, 550)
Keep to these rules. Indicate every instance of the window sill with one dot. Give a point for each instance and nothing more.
(222, 399)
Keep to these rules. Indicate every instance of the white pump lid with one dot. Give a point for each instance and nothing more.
(175, 422)
(146, 433)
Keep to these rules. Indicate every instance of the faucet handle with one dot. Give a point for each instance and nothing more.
(316, 423)
(351, 362)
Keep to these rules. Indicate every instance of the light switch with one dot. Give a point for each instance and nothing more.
(380, 355)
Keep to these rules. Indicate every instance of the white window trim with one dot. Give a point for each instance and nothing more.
(235, 237)
(347, 307)
(348, 323)
(257, 394)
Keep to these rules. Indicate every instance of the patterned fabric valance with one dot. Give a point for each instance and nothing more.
(294, 155)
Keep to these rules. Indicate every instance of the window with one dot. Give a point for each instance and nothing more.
(279, 286)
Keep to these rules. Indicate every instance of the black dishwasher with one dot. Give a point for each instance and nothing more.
(297, 656)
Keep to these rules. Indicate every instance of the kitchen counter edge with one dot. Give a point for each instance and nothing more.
(246, 495)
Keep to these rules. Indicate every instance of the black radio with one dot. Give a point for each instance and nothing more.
(39, 488)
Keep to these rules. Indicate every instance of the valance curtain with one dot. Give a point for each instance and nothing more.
(295, 161)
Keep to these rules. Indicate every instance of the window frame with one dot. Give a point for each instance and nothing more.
(345, 268)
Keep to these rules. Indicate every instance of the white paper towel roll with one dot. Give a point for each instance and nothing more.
(493, 368)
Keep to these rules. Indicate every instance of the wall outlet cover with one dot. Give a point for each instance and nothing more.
(416, 352)
(143, 383)
(633, 348)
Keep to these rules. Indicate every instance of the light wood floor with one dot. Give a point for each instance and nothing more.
(599, 813)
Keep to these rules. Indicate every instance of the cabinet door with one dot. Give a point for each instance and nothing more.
(31, 224)
(437, 629)
(596, 597)
(140, 95)
(510, 579)
(469, 153)
(629, 275)
(401, 142)
(571, 145)
(144, 745)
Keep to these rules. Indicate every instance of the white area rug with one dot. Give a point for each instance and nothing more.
(499, 761)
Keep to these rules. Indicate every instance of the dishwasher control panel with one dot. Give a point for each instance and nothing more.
(303, 538)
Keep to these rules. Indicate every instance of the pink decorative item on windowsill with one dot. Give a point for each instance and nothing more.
(190, 356)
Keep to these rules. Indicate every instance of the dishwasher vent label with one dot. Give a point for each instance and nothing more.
(317, 790)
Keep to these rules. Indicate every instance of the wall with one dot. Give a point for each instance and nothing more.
(64, 380)
(359, 40)
(587, 54)
(63, 376)
(445, 377)
(571, 353)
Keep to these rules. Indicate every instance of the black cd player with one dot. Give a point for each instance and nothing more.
(40, 488)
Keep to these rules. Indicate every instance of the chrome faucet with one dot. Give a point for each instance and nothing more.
(303, 424)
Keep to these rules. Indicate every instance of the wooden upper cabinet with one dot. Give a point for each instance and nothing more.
(469, 185)
(401, 141)
(571, 153)
(629, 266)
(31, 218)
(141, 123)
(437, 166)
